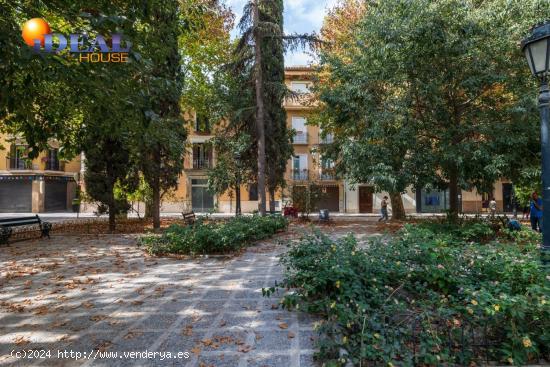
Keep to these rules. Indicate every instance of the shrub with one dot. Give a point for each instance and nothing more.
(210, 237)
(428, 297)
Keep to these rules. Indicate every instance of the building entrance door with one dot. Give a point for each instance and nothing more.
(365, 199)
(202, 200)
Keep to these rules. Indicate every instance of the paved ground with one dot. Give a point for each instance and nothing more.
(88, 294)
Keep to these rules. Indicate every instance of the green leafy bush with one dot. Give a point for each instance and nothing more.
(211, 237)
(409, 301)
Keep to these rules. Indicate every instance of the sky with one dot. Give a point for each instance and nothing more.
(300, 16)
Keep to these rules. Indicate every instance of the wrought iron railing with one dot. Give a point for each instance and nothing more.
(300, 138)
(15, 164)
(300, 174)
(202, 163)
(54, 166)
(327, 175)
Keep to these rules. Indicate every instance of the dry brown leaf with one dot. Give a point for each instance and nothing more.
(196, 350)
(188, 330)
(283, 325)
(41, 310)
(132, 335)
(98, 317)
(21, 340)
(223, 323)
(291, 335)
(103, 346)
(244, 348)
(87, 304)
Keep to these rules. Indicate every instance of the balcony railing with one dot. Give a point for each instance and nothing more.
(328, 139)
(202, 163)
(300, 174)
(16, 164)
(300, 138)
(327, 175)
(54, 166)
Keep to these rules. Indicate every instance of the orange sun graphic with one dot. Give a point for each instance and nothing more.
(35, 28)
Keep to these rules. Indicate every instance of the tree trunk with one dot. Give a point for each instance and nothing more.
(271, 200)
(148, 209)
(238, 199)
(156, 193)
(453, 195)
(112, 210)
(259, 109)
(398, 210)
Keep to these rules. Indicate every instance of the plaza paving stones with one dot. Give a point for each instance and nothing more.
(88, 294)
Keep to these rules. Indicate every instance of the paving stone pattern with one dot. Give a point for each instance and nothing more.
(84, 294)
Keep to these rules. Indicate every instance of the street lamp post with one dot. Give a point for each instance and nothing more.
(537, 51)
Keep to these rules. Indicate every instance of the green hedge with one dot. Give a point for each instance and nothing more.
(213, 237)
(406, 302)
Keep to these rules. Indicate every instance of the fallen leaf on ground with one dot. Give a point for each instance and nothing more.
(196, 350)
(291, 335)
(103, 346)
(132, 335)
(98, 317)
(283, 325)
(244, 348)
(87, 304)
(21, 340)
(188, 330)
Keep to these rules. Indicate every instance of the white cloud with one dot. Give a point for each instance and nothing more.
(301, 16)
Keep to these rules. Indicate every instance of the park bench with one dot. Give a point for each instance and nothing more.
(7, 225)
(189, 218)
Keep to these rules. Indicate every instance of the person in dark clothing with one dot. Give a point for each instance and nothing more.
(384, 209)
(536, 212)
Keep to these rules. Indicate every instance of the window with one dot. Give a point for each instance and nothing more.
(18, 157)
(202, 156)
(300, 87)
(253, 192)
(202, 123)
(299, 167)
(52, 164)
(299, 124)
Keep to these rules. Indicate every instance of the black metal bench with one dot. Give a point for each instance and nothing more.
(7, 225)
(189, 218)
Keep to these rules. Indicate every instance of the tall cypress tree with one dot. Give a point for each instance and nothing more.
(279, 147)
(263, 44)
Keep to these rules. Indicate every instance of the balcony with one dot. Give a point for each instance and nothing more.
(327, 175)
(328, 139)
(54, 166)
(17, 164)
(202, 163)
(300, 174)
(300, 138)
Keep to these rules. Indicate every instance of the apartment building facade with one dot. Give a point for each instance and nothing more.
(43, 184)
(47, 184)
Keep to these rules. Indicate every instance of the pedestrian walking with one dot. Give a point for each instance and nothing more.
(384, 209)
(493, 207)
(536, 212)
